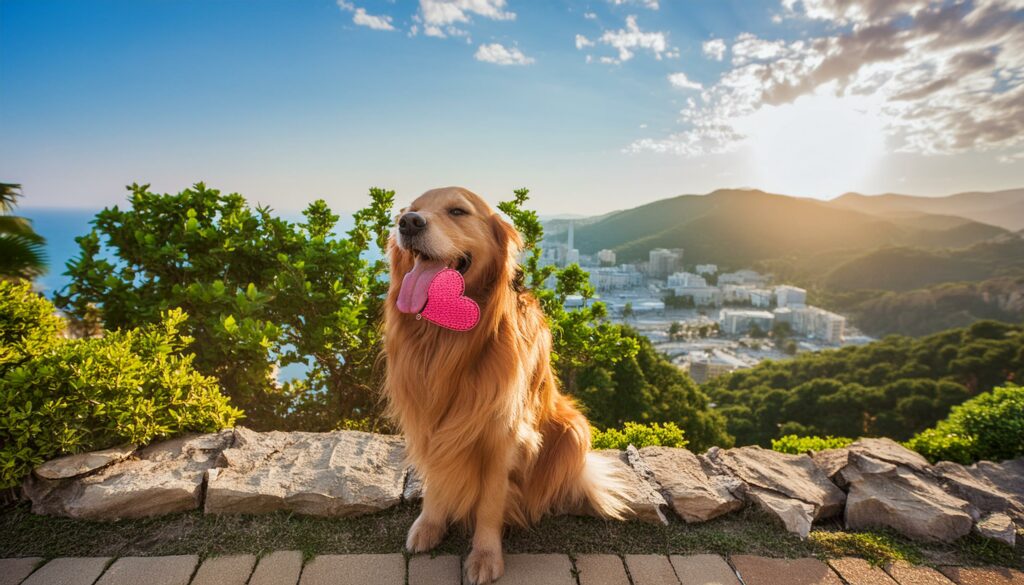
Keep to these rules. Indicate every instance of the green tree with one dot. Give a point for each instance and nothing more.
(675, 330)
(22, 250)
(613, 371)
(627, 311)
(988, 426)
(261, 293)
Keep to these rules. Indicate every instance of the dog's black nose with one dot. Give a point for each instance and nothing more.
(411, 224)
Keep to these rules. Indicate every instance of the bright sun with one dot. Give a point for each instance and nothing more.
(817, 146)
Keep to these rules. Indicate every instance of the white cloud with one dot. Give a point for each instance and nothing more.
(681, 81)
(649, 4)
(627, 40)
(501, 55)
(441, 18)
(589, 16)
(361, 18)
(583, 42)
(937, 77)
(714, 49)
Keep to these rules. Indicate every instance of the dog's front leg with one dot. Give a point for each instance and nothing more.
(429, 528)
(485, 562)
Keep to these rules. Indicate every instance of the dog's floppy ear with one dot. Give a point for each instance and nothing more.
(509, 243)
(505, 234)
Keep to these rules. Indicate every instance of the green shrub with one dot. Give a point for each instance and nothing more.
(795, 444)
(28, 324)
(638, 435)
(70, 396)
(988, 426)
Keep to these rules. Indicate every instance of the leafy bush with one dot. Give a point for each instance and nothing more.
(261, 293)
(28, 324)
(795, 445)
(638, 435)
(66, 396)
(988, 426)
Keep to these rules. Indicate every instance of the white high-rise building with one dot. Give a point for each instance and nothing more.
(686, 280)
(707, 268)
(734, 322)
(790, 296)
(662, 262)
(606, 257)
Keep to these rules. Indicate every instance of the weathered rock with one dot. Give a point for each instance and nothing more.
(341, 473)
(889, 451)
(886, 494)
(645, 503)
(997, 527)
(79, 464)
(796, 516)
(970, 484)
(163, 478)
(831, 461)
(792, 476)
(1008, 476)
(413, 490)
(694, 495)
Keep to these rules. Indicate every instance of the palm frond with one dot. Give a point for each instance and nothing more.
(9, 194)
(21, 256)
(18, 226)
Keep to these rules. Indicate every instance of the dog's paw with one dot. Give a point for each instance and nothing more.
(484, 566)
(423, 536)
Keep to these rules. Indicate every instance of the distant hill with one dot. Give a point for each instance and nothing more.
(1000, 208)
(741, 227)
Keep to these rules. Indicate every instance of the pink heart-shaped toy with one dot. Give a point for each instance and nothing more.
(447, 306)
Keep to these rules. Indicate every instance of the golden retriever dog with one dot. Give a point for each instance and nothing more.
(487, 429)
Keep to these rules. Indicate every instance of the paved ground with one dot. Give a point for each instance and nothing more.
(288, 568)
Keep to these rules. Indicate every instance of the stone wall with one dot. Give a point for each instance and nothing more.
(872, 483)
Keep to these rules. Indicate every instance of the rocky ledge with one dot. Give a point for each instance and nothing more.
(873, 483)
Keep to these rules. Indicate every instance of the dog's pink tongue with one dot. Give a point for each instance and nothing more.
(413, 295)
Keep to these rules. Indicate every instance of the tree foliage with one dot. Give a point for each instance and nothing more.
(988, 426)
(61, 396)
(894, 387)
(261, 293)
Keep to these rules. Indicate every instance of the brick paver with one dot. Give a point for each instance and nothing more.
(175, 570)
(537, 570)
(443, 570)
(765, 571)
(651, 570)
(278, 568)
(860, 572)
(983, 576)
(14, 571)
(229, 570)
(355, 570)
(69, 571)
(601, 570)
(703, 570)
(907, 574)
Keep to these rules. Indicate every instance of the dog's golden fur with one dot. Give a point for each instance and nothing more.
(486, 426)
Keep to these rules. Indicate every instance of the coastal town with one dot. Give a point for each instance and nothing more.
(707, 321)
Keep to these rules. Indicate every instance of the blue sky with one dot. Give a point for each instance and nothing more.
(594, 105)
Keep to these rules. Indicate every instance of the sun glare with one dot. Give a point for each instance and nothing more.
(817, 146)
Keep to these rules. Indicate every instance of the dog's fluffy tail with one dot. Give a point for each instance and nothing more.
(604, 487)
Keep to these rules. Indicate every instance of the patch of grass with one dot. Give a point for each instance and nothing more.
(877, 547)
(746, 532)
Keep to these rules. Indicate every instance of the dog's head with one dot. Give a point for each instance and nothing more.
(454, 228)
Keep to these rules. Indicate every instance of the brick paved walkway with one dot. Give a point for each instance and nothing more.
(288, 568)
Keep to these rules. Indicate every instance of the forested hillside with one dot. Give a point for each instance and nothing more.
(740, 227)
(1001, 208)
(895, 387)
